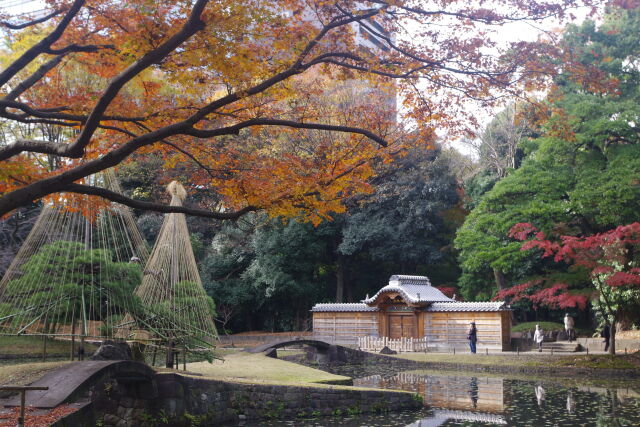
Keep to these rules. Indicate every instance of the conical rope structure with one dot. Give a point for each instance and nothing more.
(179, 312)
(75, 275)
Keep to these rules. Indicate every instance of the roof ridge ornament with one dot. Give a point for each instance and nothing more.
(413, 289)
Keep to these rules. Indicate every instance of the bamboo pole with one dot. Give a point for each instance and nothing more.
(73, 334)
(44, 342)
(155, 351)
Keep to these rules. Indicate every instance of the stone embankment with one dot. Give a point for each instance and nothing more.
(354, 363)
(185, 400)
(131, 394)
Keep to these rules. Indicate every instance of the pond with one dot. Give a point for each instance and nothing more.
(466, 399)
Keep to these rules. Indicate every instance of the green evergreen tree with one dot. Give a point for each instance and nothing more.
(581, 177)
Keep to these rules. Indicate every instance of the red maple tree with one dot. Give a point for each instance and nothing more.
(610, 259)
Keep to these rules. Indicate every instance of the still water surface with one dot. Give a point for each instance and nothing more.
(469, 400)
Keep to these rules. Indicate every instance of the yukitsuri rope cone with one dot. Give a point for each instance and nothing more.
(75, 275)
(180, 314)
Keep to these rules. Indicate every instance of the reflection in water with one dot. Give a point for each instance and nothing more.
(571, 403)
(471, 400)
(442, 391)
(479, 401)
(441, 417)
(540, 393)
(473, 392)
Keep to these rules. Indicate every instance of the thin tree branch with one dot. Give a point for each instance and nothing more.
(33, 78)
(190, 27)
(78, 48)
(41, 46)
(11, 26)
(189, 155)
(150, 206)
(296, 68)
(55, 113)
(235, 129)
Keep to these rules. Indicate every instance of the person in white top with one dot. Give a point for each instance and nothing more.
(568, 327)
(538, 337)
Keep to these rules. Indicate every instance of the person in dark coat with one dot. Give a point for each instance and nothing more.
(606, 334)
(472, 337)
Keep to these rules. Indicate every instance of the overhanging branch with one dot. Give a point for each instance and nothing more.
(234, 129)
(42, 45)
(12, 26)
(150, 206)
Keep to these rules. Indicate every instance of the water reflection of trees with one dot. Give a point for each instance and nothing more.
(533, 404)
(514, 402)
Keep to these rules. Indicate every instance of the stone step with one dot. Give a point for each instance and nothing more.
(562, 347)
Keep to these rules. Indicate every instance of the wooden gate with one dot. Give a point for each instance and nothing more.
(402, 326)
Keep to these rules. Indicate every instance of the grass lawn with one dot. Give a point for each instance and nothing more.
(601, 361)
(531, 326)
(548, 326)
(261, 369)
(31, 346)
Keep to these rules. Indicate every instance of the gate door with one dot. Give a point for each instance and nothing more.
(402, 326)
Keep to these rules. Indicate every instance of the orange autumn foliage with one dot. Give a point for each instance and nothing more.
(284, 106)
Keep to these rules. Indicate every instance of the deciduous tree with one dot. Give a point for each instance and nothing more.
(580, 177)
(610, 259)
(189, 79)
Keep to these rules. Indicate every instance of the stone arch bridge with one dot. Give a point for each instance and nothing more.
(322, 351)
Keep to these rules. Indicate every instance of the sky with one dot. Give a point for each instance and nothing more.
(504, 34)
(17, 7)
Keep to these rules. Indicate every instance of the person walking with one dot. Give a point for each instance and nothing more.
(538, 337)
(568, 327)
(606, 334)
(472, 337)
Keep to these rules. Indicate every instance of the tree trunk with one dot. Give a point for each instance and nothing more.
(501, 281)
(348, 290)
(298, 321)
(612, 337)
(340, 280)
(248, 321)
(169, 362)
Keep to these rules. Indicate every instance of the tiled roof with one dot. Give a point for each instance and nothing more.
(343, 307)
(410, 280)
(414, 289)
(468, 306)
(453, 306)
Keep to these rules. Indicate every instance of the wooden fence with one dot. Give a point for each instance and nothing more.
(399, 344)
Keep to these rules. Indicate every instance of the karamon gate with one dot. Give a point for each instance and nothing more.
(410, 308)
